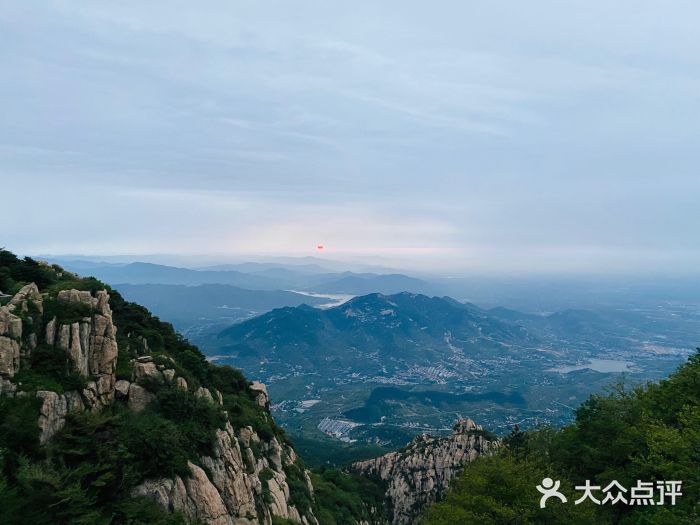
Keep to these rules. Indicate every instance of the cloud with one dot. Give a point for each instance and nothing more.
(520, 135)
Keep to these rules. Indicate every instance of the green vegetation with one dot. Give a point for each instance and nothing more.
(86, 473)
(46, 369)
(330, 453)
(65, 313)
(648, 433)
(347, 498)
(15, 272)
(499, 490)
(300, 494)
(136, 325)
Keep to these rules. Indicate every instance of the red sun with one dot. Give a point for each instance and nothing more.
(320, 247)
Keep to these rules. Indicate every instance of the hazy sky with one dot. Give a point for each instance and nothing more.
(530, 136)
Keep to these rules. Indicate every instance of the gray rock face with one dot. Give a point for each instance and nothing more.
(53, 411)
(418, 475)
(169, 375)
(195, 496)
(204, 393)
(51, 332)
(9, 356)
(91, 344)
(262, 398)
(7, 387)
(10, 324)
(121, 388)
(11, 329)
(147, 369)
(181, 383)
(229, 490)
(28, 294)
(228, 472)
(139, 397)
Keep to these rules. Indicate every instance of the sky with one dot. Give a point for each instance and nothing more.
(460, 136)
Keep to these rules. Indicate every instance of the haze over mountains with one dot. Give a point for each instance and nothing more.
(375, 369)
(527, 292)
(257, 276)
(204, 304)
(197, 298)
(340, 350)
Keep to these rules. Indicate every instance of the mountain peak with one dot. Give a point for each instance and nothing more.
(420, 473)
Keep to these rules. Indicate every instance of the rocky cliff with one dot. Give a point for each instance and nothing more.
(419, 474)
(89, 345)
(244, 476)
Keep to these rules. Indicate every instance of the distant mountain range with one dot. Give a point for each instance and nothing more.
(373, 333)
(579, 326)
(255, 276)
(186, 306)
(148, 273)
(364, 284)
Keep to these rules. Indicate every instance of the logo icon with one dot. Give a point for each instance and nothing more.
(549, 489)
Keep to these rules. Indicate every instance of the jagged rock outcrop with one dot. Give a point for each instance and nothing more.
(419, 474)
(262, 398)
(204, 393)
(195, 496)
(243, 481)
(11, 329)
(9, 344)
(27, 295)
(229, 490)
(91, 344)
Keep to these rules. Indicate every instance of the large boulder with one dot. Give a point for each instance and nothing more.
(121, 388)
(260, 390)
(145, 367)
(204, 393)
(139, 397)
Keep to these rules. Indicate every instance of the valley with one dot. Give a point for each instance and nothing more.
(350, 375)
(382, 369)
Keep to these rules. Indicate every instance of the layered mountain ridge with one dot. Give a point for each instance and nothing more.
(108, 416)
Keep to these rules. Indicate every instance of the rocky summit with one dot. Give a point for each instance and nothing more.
(239, 474)
(419, 474)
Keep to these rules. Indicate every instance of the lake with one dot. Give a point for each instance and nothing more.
(599, 365)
